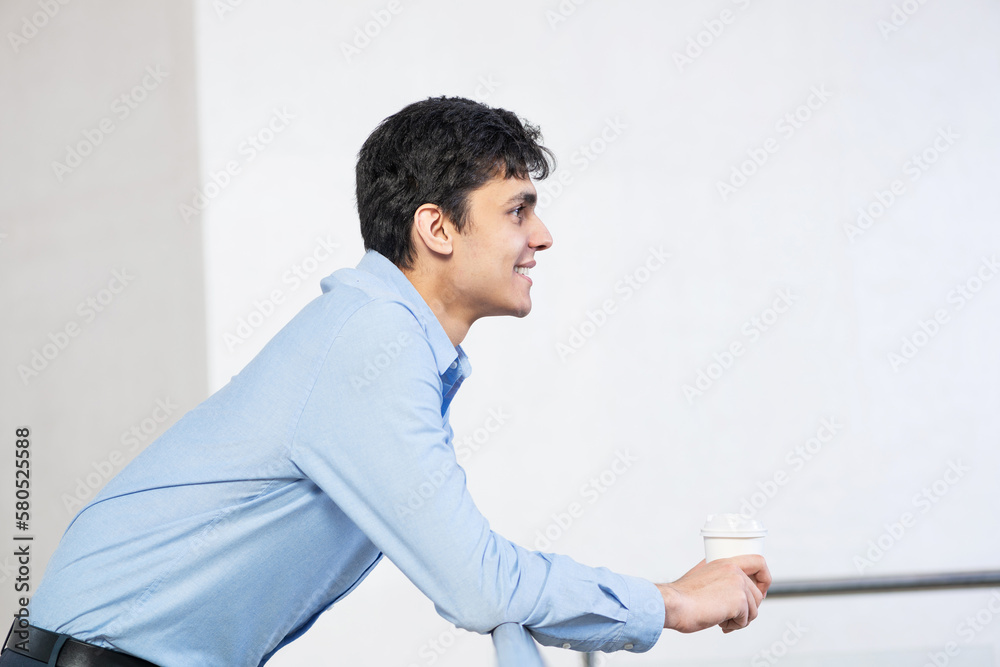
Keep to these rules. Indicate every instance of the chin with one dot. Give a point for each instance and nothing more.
(521, 312)
(512, 311)
(510, 308)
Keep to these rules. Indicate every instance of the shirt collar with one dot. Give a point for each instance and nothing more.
(447, 356)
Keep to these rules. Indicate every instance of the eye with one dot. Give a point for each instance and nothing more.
(519, 212)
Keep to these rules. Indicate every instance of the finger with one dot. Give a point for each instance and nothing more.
(742, 616)
(756, 568)
(758, 595)
(745, 614)
(752, 603)
(762, 579)
(731, 625)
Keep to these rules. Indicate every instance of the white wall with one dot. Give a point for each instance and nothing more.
(677, 131)
(682, 129)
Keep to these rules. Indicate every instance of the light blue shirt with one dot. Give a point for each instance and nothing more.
(259, 509)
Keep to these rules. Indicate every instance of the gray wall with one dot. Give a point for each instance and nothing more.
(106, 230)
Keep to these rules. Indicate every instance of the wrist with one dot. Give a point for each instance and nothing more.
(671, 604)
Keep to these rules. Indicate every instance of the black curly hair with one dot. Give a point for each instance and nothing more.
(438, 151)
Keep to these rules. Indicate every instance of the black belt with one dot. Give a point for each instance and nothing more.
(40, 645)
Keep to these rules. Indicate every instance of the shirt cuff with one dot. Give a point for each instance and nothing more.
(646, 615)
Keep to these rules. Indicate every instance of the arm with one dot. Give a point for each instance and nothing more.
(373, 438)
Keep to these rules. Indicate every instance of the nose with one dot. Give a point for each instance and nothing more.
(540, 239)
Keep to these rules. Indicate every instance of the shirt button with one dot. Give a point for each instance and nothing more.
(454, 365)
(628, 647)
(566, 645)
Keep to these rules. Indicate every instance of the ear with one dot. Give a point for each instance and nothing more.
(433, 230)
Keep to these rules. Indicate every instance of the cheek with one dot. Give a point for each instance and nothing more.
(513, 250)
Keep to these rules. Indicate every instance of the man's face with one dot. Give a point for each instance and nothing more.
(497, 247)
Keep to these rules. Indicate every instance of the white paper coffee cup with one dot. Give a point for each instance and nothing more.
(728, 535)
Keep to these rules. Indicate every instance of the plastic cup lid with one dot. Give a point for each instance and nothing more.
(732, 525)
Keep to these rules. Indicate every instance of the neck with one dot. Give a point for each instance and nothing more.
(438, 296)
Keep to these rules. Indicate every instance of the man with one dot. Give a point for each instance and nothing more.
(259, 509)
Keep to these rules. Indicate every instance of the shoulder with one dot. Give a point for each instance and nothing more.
(380, 318)
(373, 306)
(382, 346)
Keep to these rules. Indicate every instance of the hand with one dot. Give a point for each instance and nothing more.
(725, 592)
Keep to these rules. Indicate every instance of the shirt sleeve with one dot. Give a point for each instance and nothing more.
(372, 436)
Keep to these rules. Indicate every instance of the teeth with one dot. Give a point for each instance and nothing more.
(523, 270)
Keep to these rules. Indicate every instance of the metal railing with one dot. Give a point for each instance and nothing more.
(897, 584)
(516, 648)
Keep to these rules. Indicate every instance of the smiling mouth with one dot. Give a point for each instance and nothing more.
(523, 272)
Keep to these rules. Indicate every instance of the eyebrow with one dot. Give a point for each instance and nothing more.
(526, 197)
